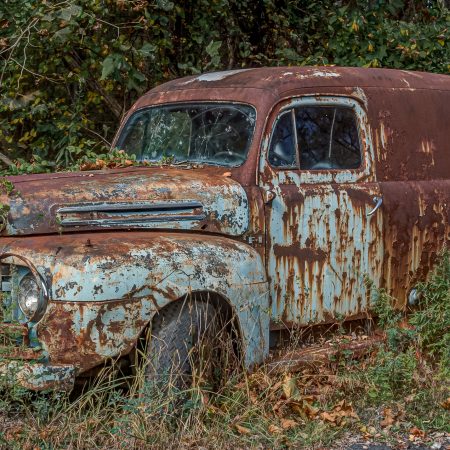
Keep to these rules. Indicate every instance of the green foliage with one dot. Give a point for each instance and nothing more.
(432, 320)
(392, 375)
(69, 70)
(395, 370)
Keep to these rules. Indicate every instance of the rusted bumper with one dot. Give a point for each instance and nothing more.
(36, 376)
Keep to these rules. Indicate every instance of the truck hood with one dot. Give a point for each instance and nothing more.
(204, 199)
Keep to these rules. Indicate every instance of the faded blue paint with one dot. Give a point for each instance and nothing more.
(40, 209)
(147, 271)
(322, 244)
(36, 376)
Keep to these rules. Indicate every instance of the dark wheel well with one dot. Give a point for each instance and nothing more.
(221, 304)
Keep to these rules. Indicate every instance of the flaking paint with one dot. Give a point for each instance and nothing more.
(294, 247)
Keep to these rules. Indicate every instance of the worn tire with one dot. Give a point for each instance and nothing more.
(178, 334)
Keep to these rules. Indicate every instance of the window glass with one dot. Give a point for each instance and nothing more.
(201, 133)
(327, 137)
(282, 152)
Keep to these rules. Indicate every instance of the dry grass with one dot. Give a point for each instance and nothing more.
(305, 410)
(400, 391)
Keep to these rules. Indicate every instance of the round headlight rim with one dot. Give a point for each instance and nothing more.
(42, 287)
(40, 307)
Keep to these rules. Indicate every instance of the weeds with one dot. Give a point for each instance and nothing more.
(401, 389)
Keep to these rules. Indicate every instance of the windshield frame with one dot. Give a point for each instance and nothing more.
(121, 132)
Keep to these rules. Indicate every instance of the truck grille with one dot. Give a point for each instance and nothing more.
(14, 332)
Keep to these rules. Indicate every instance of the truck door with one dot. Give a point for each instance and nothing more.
(324, 225)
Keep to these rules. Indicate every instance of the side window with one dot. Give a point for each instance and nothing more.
(282, 151)
(328, 137)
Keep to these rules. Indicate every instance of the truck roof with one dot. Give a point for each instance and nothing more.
(282, 79)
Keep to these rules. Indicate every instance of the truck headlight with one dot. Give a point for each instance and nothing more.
(30, 298)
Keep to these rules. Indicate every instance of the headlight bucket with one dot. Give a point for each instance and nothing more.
(31, 294)
(30, 298)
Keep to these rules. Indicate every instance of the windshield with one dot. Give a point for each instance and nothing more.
(204, 133)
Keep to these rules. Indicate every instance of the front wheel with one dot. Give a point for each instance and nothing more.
(186, 346)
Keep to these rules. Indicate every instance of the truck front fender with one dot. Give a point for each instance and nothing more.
(105, 288)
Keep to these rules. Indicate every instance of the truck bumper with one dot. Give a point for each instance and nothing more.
(36, 376)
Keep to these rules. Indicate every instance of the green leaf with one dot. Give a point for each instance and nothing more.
(63, 34)
(213, 48)
(148, 49)
(110, 64)
(165, 5)
(69, 12)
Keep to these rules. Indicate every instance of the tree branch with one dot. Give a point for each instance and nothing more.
(5, 159)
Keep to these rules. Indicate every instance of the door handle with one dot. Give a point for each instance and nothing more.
(268, 196)
(378, 201)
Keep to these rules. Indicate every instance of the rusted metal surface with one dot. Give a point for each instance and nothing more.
(21, 353)
(141, 198)
(106, 287)
(416, 229)
(322, 244)
(287, 245)
(36, 376)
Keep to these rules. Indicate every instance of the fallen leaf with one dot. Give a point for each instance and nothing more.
(405, 325)
(290, 388)
(417, 432)
(446, 403)
(13, 432)
(328, 417)
(339, 413)
(304, 409)
(389, 418)
(274, 429)
(242, 430)
(287, 424)
(253, 397)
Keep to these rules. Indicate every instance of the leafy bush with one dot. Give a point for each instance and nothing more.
(392, 375)
(69, 70)
(401, 366)
(432, 320)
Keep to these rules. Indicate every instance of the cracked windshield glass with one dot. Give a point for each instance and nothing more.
(218, 134)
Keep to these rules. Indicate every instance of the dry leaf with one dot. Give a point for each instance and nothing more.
(274, 429)
(417, 432)
(339, 413)
(275, 387)
(242, 430)
(389, 418)
(290, 388)
(304, 409)
(287, 424)
(328, 417)
(446, 403)
(13, 432)
(97, 165)
(279, 408)
(253, 396)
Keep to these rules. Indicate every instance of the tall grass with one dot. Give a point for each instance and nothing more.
(308, 409)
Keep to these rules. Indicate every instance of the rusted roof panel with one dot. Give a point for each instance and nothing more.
(282, 79)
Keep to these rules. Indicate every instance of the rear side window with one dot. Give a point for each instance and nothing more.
(326, 137)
